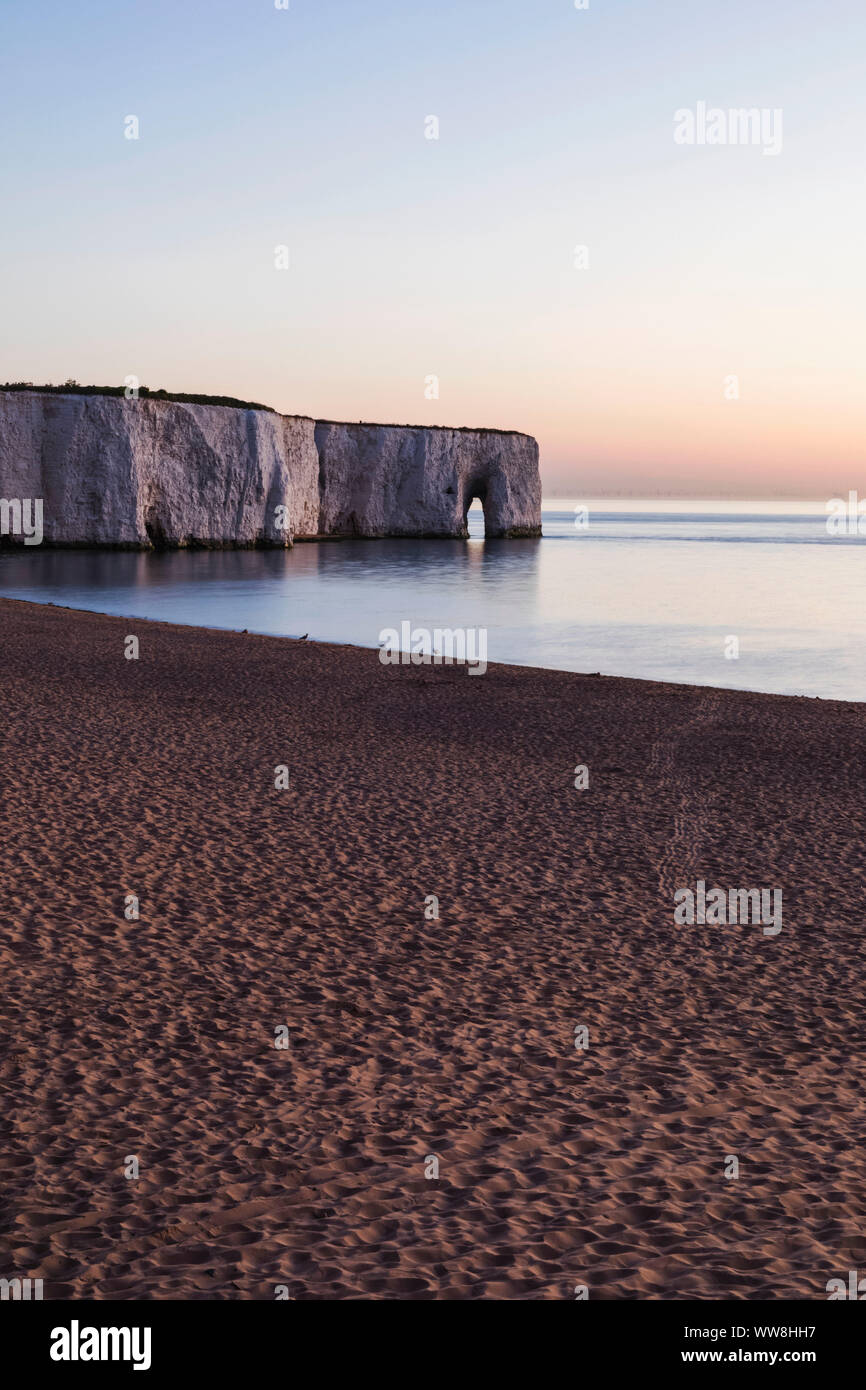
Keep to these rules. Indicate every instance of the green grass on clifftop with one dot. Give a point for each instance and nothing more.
(73, 388)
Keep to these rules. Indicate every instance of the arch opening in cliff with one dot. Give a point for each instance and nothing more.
(476, 492)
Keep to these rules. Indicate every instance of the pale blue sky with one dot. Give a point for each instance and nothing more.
(454, 258)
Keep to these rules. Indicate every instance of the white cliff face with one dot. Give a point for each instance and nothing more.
(395, 480)
(302, 464)
(143, 473)
(213, 475)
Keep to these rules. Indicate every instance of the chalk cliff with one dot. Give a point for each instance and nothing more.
(146, 472)
(404, 480)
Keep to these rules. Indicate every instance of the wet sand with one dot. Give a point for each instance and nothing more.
(412, 1039)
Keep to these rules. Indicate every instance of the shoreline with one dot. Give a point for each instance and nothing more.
(413, 1037)
(506, 665)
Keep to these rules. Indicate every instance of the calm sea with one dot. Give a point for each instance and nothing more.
(651, 589)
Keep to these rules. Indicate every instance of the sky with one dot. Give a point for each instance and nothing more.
(709, 340)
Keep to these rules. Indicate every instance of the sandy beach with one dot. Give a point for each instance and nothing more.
(412, 1039)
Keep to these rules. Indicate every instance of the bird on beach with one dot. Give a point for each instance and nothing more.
(304, 638)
